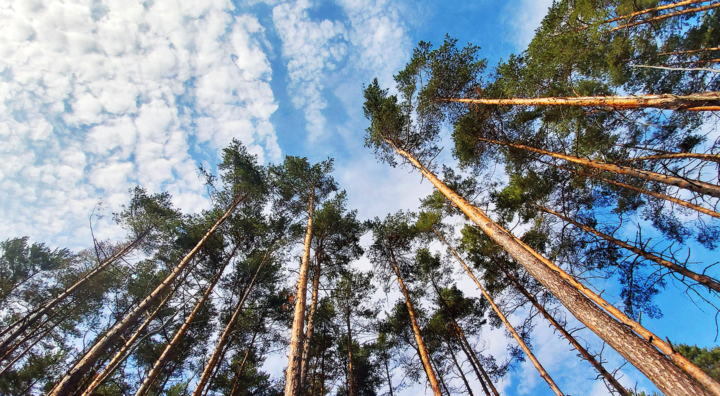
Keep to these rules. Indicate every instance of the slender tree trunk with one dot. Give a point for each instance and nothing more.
(655, 9)
(544, 374)
(643, 191)
(292, 376)
(24, 352)
(703, 157)
(424, 355)
(669, 378)
(691, 185)
(219, 348)
(350, 352)
(473, 363)
(124, 351)
(310, 323)
(33, 333)
(704, 280)
(46, 307)
(160, 362)
(442, 379)
(461, 337)
(460, 370)
(691, 51)
(238, 375)
(68, 384)
(668, 15)
(389, 378)
(695, 102)
(584, 352)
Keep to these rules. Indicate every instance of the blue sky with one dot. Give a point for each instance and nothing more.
(98, 96)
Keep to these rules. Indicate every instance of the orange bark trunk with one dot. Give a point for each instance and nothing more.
(690, 51)
(668, 15)
(584, 352)
(670, 102)
(509, 326)
(67, 385)
(691, 185)
(310, 323)
(659, 8)
(292, 376)
(663, 373)
(424, 355)
(704, 157)
(701, 279)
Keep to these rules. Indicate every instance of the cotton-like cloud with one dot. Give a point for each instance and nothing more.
(524, 17)
(311, 49)
(96, 96)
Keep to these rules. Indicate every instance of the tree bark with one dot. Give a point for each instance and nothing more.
(703, 157)
(442, 380)
(649, 10)
(124, 351)
(544, 374)
(460, 370)
(584, 352)
(350, 353)
(219, 348)
(704, 280)
(690, 51)
(67, 385)
(292, 376)
(668, 15)
(310, 323)
(21, 354)
(160, 362)
(460, 335)
(34, 317)
(697, 102)
(424, 355)
(389, 378)
(691, 185)
(238, 375)
(669, 378)
(643, 191)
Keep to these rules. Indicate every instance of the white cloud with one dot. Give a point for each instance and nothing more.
(524, 17)
(96, 96)
(311, 48)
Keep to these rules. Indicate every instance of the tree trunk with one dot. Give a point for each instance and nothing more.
(160, 362)
(21, 354)
(389, 378)
(460, 335)
(695, 102)
(460, 370)
(123, 353)
(292, 376)
(584, 352)
(67, 385)
(691, 185)
(30, 319)
(310, 322)
(442, 379)
(704, 280)
(238, 375)
(219, 348)
(350, 352)
(655, 9)
(643, 191)
(690, 51)
(33, 333)
(544, 374)
(668, 15)
(670, 379)
(703, 157)
(424, 356)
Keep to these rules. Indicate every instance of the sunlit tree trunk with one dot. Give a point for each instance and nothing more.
(350, 353)
(668, 15)
(668, 198)
(67, 385)
(691, 185)
(292, 376)
(655, 9)
(441, 377)
(424, 355)
(679, 156)
(701, 279)
(310, 324)
(584, 352)
(695, 102)
(225, 337)
(160, 362)
(668, 377)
